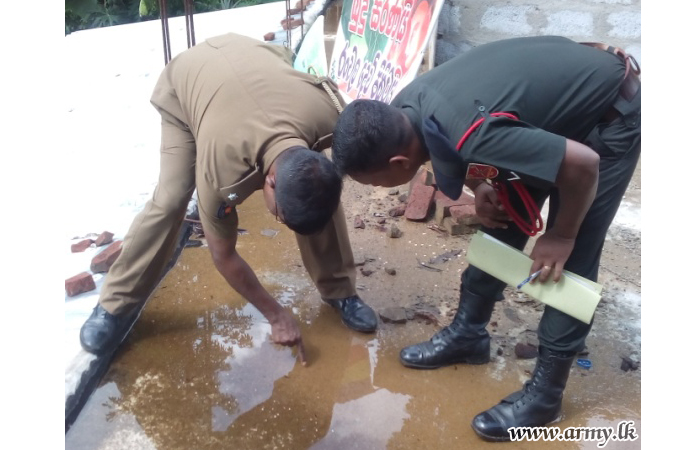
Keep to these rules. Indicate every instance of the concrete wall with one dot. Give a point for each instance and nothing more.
(466, 23)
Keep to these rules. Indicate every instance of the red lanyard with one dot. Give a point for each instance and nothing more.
(535, 224)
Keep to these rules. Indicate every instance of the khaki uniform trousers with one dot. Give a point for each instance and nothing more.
(152, 237)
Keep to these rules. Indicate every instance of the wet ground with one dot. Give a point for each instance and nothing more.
(198, 370)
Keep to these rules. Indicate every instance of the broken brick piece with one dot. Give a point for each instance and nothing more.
(359, 223)
(104, 260)
(443, 203)
(457, 229)
(464, 214)
(80, 283)
(81, 246)
(420, 201)
(397, 211)
(289, 24)
(104, 239)
(269, 36)
(525, 351)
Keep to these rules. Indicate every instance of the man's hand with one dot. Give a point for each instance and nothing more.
(550, 254)
(489, 208)
(285, 331)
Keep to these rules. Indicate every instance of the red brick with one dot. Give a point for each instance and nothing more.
(104, 239)
(80, 283)
(424, 177)
(464, 214)
(420, 201)
(288, 24)
(81, 246)
(269, 36)
(443, 203)
(104, 260)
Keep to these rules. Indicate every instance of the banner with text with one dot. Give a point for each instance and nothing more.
(380, 45)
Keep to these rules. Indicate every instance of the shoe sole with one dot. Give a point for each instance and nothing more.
(470, 361)
(489, 438)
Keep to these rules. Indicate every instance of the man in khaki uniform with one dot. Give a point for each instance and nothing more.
(237, 117)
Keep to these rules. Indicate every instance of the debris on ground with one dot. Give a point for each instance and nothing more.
(443, 258)
(80, 283)
(269, 232)
(104, 260)
(525, 351)
(390, 270)
(393, 315)
(395, 232)
(423, 265)
(628, 364)
(103, 239)
(359, 223)
(397, 211)
(81, 246)
(366, 272)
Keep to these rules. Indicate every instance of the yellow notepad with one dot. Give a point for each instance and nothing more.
(573, 294)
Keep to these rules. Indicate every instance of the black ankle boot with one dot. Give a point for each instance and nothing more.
(536, 404)
(465, 340)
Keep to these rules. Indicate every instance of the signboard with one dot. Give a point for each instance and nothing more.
(312, 54)
(380, 45)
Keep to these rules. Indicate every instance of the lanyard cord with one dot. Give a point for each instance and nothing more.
(535, 224)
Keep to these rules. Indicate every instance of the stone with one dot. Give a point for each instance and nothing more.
(104, 239)
(269, 36)
(81, 246)
(366, 272)
(403, 197)
(464, 214)
(420, 202)
(395, 232)
(525, 351)
(394, 192)
(397, 211)
(457, 229)
(628, 364)
(359, 223)
(80, 283)
(104, 260)
(393, 315)
(390, 270)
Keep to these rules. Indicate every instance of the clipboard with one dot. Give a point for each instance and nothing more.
(573, 294)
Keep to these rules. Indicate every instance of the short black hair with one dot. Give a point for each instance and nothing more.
(307, 189)
(367, 135)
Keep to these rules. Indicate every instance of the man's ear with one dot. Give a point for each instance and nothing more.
(403, 161)
(270, 181)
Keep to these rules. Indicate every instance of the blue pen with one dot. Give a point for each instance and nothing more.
(530, 278)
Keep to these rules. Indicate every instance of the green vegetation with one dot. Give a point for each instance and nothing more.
(84, 14)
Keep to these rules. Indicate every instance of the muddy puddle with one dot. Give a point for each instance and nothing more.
(198, 370)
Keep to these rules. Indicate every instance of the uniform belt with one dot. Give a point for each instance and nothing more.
(630, 83)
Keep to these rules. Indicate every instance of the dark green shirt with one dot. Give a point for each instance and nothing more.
(556, 87)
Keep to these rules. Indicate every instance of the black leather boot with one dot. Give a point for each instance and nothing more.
(103, 332)
(536, 404)
(465, 340)
(355, 313)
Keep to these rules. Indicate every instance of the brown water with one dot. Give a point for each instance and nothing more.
(198, 371)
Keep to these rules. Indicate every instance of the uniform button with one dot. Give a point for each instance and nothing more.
(482, 108)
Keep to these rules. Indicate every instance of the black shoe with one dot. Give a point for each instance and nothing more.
(445, 348)
(465, 340)
(355, 314)
(102, 331)
(535, 405)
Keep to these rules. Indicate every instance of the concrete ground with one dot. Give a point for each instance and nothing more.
(198, 369)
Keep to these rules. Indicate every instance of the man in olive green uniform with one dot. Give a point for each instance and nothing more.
(518, 121)
(236, 117)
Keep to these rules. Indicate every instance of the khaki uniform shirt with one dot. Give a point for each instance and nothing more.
(244, 104)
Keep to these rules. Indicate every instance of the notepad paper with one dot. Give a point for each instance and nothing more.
(573, 294)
